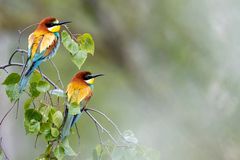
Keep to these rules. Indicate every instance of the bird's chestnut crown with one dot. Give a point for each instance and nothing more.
(52, 24)
(88, 77)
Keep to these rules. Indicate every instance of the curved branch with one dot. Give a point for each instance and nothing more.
(58, 74)
(1, 149)
(8, 112)
(22, 31)
(16, 51)
(108, 119)
(103, 129)
(3, 67)
(68, 30)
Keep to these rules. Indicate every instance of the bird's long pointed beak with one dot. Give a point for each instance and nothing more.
(63, 22)
(96, 75)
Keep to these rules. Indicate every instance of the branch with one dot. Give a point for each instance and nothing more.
(3, 67)
(58, 74)
(8, 112)
(108, 119)
(1, 149)
(16, 51)
(22, 31)
(103, 129)
(68, 30)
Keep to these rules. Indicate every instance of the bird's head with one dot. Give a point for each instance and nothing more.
(51, 24)
(87, 77)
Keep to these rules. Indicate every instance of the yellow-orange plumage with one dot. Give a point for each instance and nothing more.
(42, 40)
(43, 44)
(78, 90)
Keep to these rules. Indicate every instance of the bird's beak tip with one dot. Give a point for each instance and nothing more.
(97, 75)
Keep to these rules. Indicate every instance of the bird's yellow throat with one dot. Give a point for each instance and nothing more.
(55, 28)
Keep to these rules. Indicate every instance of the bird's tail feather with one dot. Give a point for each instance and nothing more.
(67, 124)
(23, 83)
(69, 121)
(25, 77)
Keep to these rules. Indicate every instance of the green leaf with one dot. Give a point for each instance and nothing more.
(58, 92)
(33, 126)
(51, 113)
(86, 43)
(59, 152)
(32, 119)
(44, 110)
(45, 128)
(48, 150)
(49, 137)
(43, 86)
(54, 132)
(12, 89)
(67, 148)
(74, 108)
(69, 43)
(33, 90)
(42, 158)
(13, 78)
(35, 77)
(79, 49)
(28, 103)
(33, 114)
(12, 92)
(79, 58)
(57, 118)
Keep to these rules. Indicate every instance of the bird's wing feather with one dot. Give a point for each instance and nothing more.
(34, 42)
(47, 41)
(51, 49)
(43, 46)
(31, 38)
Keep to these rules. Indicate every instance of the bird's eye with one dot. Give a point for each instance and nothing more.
(48, 25)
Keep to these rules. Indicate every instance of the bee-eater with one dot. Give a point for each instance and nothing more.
(79, 91)
(43, 44)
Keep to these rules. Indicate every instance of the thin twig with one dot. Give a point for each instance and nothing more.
(1, 149)
(105, 116)
(76, 127)
(22, 31)
(101, 141)
(58, 74)
(3, 67)
(8, 112)
(68, 30)
(16, 51)
(35, 143)
(40, 71)
(103, 129)
(17, 109)
(50, 98)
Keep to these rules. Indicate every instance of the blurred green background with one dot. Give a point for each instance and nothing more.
(171, 66)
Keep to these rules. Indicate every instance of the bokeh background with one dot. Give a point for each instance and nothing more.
(171, 66)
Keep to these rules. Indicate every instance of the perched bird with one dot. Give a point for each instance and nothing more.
(79, 91)
(43, 44)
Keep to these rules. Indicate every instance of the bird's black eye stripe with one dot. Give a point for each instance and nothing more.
(87, 77)
(49, 25)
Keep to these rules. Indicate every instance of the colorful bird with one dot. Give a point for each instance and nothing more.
(43, 44)
(79, 91)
